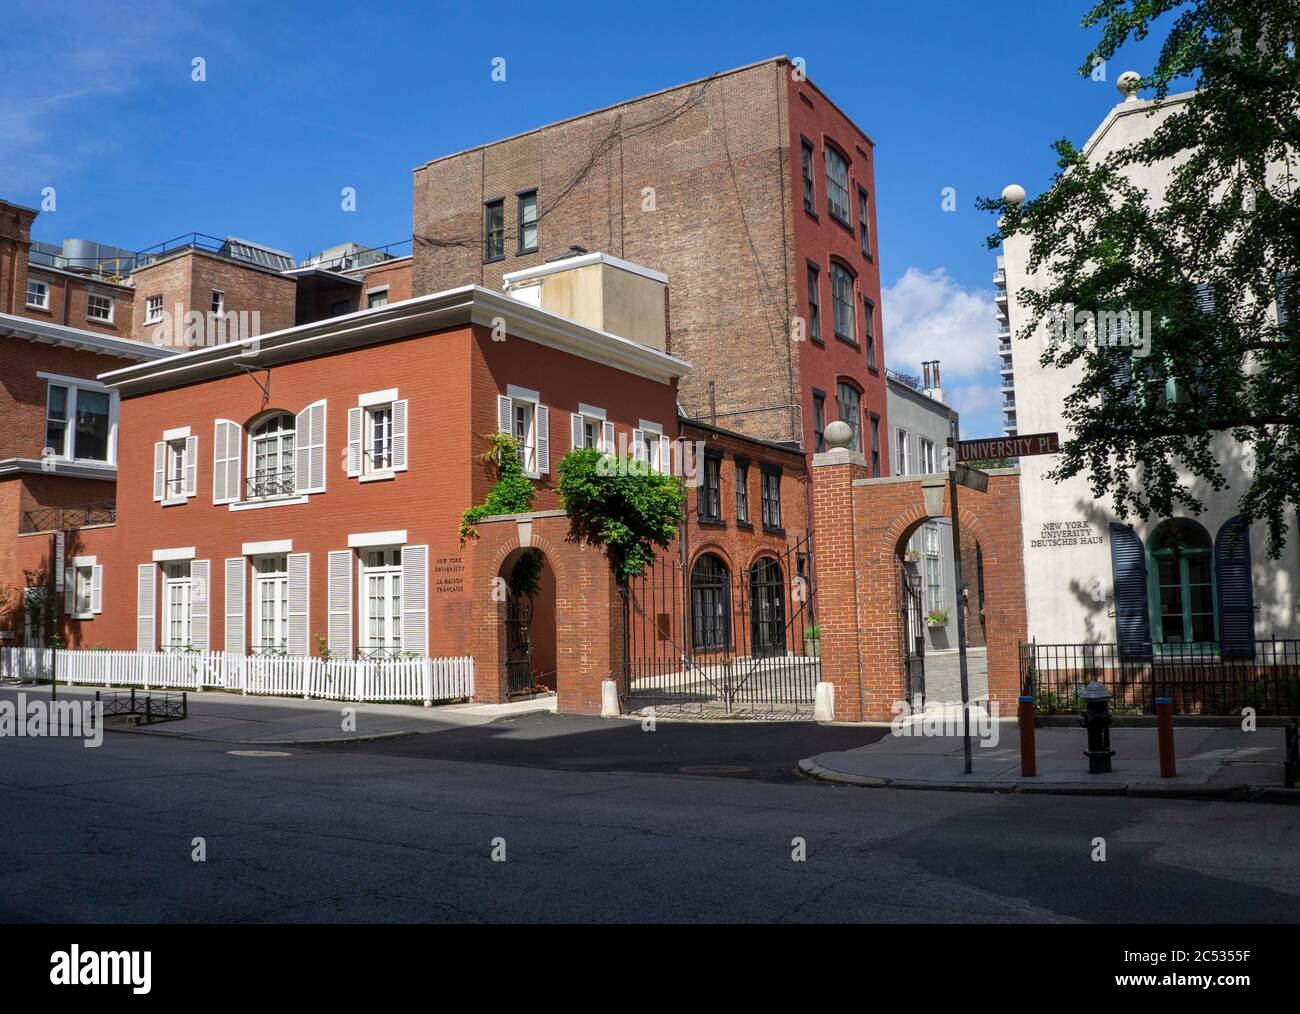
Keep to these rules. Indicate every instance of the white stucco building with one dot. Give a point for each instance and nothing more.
(1090, 578)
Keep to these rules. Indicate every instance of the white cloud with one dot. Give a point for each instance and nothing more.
(929, 316)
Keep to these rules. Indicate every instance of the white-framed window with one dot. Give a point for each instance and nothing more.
(591, 429)
(933, 556)
(902, 452)
(270, 604)
(378, 456)
(174, 477)
(271, 457)
(218, 302)
(380, 593)
(928, 459)
(377, 435)
(153, 309)
(523, 421)
(837, 183)
(177, 606)
(99, 308)
(80, 420)
(521, 414)
(83, 588)
(376, 297)
(651, 446)
(38, 294)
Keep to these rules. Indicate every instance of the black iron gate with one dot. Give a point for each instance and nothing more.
(519, 647)
(913, 638)
(716, 643)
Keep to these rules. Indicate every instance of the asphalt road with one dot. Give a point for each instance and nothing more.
(599, 823)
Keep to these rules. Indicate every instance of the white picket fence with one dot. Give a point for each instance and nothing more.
(400, 679)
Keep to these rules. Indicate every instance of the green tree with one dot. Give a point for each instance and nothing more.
(1206, 258)
(622, 505)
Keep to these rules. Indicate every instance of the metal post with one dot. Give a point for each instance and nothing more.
(1165, 736)
(961, 613)
(1025, 724)
(55, 562)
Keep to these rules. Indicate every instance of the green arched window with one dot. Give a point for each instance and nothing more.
(1182, 578)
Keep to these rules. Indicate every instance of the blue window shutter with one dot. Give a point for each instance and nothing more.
(1129, 566)
(1236, 595)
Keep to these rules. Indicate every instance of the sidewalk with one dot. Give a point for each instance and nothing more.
(1218, 763)
(235, 718)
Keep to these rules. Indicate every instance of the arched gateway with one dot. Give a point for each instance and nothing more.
(863, 525)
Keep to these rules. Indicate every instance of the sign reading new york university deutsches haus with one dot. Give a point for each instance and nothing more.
(1008, 447)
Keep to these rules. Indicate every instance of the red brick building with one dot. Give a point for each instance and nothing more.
(751, 190)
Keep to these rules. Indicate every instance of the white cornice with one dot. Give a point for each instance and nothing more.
(62, 469)
(423, 314)
(41, 333)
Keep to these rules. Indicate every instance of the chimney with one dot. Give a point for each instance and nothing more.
(601, 291)
(15, 242)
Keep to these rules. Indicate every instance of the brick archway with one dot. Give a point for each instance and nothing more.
(588, 626)
(860, 523)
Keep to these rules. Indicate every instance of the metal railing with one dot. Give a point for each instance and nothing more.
(50, 519)
(268, 484)
(904, 378)
(1216, 678)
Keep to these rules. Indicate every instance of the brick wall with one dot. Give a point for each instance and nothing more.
(189, 277)
(861, 533)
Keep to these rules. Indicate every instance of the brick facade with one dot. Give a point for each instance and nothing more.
(703, 182)
(862, 530)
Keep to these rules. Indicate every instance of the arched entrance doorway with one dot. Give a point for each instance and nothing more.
(767, 608)
(527, 584)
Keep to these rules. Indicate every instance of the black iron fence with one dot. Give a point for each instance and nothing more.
(710, 642)
(52, 519)
(1202, 679)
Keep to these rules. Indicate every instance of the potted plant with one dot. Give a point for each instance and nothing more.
(937, 618)
(912, 556)
(812, 640)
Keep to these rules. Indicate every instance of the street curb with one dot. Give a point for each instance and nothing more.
(1239, 793)
(160, 734)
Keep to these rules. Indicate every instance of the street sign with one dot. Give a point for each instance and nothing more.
(1009, 447)
(57, 562)
(973, 478)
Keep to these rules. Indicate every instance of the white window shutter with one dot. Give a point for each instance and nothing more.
(503, 415)
(608, 437)
(227, 447)
(146, 596)
(356, 427)
(399, 436)
(576, 431)
(317, 447)
(638, 445)
(415, 599)
(191, 465)
(69, 590)
(309, 449)
(235, 585)
(299, 604)
(543, 425)
(665, 455)
(339, 631)
(97, 588)
(200, 594)
(159, 469)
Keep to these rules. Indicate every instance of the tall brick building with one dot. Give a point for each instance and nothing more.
(749, 189)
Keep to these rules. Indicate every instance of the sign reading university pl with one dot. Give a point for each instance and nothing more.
(1008, 447)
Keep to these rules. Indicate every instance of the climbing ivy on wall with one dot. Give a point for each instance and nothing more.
(512, 493)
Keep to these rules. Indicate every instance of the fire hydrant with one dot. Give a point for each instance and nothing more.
(1097, 721)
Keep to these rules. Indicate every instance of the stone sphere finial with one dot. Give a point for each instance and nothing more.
(838, 434)
(1014, 195)
(1127, 83)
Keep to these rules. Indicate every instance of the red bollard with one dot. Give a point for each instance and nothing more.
(1165, 735)
(1025, 723)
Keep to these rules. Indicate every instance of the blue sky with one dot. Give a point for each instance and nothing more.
(301, 100)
